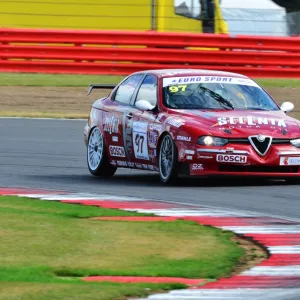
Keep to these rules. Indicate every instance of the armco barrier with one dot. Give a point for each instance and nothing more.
(121, 52)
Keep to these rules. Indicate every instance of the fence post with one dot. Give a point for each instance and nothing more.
(153, 15)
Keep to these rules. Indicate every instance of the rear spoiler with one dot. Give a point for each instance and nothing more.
(101, 86)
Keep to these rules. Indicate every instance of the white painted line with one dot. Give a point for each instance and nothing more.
(78, 196)
(280, 229)
(273, 271)
(186, 212)
(228, 294)
(285, 249)
(37, 196)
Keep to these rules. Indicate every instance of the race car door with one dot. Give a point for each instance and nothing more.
(119, 112)
(145, 134)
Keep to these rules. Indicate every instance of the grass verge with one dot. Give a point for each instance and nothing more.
(79, 290)
(33, 79)
(45, 246)
(65, 96)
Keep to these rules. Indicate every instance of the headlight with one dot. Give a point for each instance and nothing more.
(296, 143)
(212, 141)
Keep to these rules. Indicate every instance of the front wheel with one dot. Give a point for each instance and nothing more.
(168, 160)
(97, 159)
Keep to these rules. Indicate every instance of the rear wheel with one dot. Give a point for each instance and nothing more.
(168, 160)
(97, 159)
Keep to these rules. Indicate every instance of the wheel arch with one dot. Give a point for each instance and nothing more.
(162, 135)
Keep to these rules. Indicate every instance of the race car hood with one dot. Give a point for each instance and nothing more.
(241, 123)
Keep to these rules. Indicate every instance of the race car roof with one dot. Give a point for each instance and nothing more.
(188, 72)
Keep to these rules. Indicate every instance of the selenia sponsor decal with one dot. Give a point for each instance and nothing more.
(290, 161)
(238, 159)
(250, 121)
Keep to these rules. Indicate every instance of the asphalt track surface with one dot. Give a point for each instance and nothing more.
(51, 154)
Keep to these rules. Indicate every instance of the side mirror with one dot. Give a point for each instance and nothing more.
(287, 106)
(144, 105)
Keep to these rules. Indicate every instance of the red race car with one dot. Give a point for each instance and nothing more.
(192, 122)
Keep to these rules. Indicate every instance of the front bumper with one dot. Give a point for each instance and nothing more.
(238, 160)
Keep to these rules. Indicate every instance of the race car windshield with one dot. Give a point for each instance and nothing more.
(215, 93)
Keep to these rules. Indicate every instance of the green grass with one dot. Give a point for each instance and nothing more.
(33, 79)
(46, 245)
(79, 290)
(280, 83)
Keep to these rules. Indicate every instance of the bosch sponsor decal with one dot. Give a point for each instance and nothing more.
(290, 161)
(117, 151)
(208, 79)
(250, 121)
(238, 159)
(183, 138)
(140, 140)
(111, 124)
(175, 122)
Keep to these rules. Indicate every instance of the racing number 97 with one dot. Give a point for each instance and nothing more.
(139, 141)
(178, 88)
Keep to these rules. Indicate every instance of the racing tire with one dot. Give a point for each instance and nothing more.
(168, 160)
(97, 160)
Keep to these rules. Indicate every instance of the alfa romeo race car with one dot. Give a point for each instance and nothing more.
(192, 122)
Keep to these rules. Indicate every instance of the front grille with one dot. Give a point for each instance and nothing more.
(246, 141)
(259, 169)
(260, 147)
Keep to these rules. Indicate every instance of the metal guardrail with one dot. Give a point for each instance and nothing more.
(123, 52)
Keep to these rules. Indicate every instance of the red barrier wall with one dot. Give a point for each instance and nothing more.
(121, 52)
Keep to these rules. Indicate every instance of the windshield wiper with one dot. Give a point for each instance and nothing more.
(217, 97)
